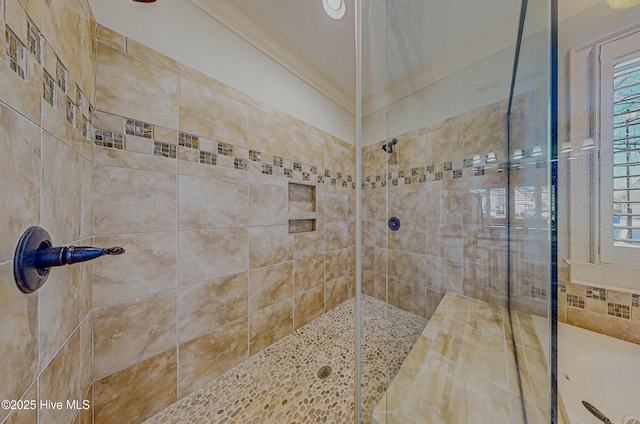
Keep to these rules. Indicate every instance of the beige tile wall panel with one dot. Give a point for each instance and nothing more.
(269, 245)
(336, 264)
(86, 198)
(133, 160)
(108, 121)
(269, 325)
(149, 265)
(127, 332)
(34, 10)
(16, 19)
(18, 338)
(58, 311)
(336, 235)
(25, 416)
(86, 354)
(209, 203)
(86, 282)
(267, 205)
(336, 292)
(211, 355)
(20, 164)
(207, 254)
(60, 382)
(137, 392)
(308, 273)
(338, 159)
(61, 191)
(270, 134)
(87, 80)
(128, 86)
(112, 38)
(309, 244)
(63, 27)
(270, 285)
(147, 54)
(336, 207)
(55, 123)
(132, 201)
(206, 113)
(199, 170)
(206, 306)
(308, 306)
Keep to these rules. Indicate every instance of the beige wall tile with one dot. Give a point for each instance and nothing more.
(267, 205)
(308, 273)
(18, 338)
(61, 292)
(86, 354)
(145, 53)
(206, 113)
(605, 324)
(86, 198)
(207, 254)
(112, 38)
(131, 87)
(148, 265)
(269, 325)
(336, 207)
(412, 268)
(211, 355)
(60, 382)
(61, 191)
(209, 203)
(336, 292)
(309, 244)
(336, 235)
(108, 121)
(137, 392)
(308, 306)
(16, 19)
(199, 170)
(63, 27)
(56, 124)
(127, 332)
(269, 134)
(20, 164)
(336, 264)
(270, 285)
(87, 80)
(207, 306)
(134, 160)
(25, 416)
(130, 201)
(269, 245)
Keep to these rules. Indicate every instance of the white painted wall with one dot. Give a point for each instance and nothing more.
(183, 32)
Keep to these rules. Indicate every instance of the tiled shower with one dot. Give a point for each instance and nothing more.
(239, 222)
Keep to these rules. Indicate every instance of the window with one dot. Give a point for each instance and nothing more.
(619, 153)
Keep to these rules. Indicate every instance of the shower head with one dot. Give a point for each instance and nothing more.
(389, 146)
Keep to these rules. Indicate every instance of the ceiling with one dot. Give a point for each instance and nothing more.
(427, 40)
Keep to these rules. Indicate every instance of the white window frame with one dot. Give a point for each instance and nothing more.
(609, 53)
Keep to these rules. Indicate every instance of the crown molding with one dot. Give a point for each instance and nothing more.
(253, 29)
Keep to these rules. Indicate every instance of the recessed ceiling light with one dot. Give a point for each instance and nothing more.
(334, 8)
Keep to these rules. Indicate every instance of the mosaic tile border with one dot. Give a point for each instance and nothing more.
(598, 300)
(223, 154)
(61, 92)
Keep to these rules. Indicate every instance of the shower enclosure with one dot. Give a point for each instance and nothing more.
(458, 204)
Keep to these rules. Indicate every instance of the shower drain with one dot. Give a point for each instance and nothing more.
(324, 372)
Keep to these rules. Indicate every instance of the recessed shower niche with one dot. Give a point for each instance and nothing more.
(302, 208)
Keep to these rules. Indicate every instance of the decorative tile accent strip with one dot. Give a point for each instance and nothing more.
(321, 179)
(400, 174)
(478, 172)
(208, 158)
(297, 166)
(288, 173)
(538, 293)
(139, 129)
(164, 149)
(439, 176)
(596, 293)
(575, 301)
(16, 53)
(62, 75)
(429, 169)
(350, 179)
(255, 156)
(447, 166)
(327, 173)
(279, 162)
(467, 163)
(70, 112)
(188, 140)
(457, 173)
(306, 176)
(240, 164)
(34, 39)
(314, 170)
(635, 300)
(114, 140)
(225, 149)
(407, 180)
(49, 89)
(267, 169)
(617, 310)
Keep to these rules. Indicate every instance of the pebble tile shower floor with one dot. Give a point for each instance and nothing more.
(281, 384)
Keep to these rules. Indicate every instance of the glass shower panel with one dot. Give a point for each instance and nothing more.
(531, 222)
(441, 164)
